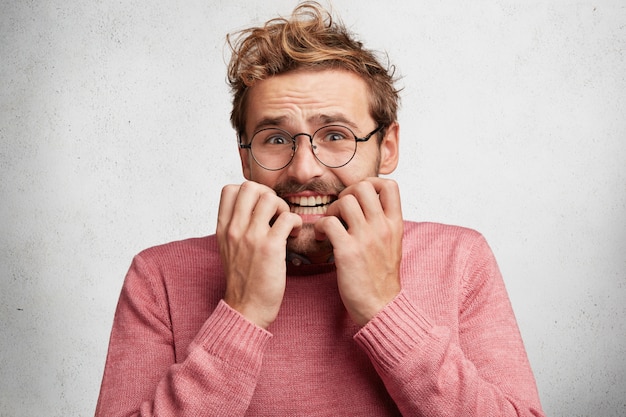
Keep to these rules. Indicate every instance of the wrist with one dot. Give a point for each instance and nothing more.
(261, 317)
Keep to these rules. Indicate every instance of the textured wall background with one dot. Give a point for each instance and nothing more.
(115, 137)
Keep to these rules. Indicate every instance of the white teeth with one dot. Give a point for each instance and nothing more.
(309, 210)
(310, 201)
(310, 205)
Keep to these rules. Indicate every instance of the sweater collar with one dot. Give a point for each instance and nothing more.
(301, 265)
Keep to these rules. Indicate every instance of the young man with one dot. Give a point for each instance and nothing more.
(315, 297)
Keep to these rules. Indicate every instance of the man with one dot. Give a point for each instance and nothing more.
(315, 297)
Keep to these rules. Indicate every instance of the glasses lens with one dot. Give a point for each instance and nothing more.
(272, 148)
(334, 145)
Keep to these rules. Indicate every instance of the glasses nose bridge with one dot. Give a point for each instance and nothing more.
(295, 145)
(295, 142)
(294, 137)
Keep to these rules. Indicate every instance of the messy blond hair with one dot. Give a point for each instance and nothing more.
(309, 39)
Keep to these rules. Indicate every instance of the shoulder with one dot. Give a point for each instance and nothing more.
(449, 260)
(427, 233)
(443, 244)
(188, 257)
(179, 282)
(180, 249)
(179, 268)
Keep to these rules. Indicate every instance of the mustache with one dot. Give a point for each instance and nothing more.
(316, 185)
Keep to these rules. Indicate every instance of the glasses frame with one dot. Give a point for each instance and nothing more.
(294, 147)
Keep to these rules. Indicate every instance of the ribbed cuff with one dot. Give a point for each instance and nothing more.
(229, 336)
(394, 332)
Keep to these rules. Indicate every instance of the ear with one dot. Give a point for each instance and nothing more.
(390, 149)
(244, 155)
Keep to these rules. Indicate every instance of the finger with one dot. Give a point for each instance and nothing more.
(389, 195)
(348, 210)
(366, 195)
(332, 228)
(227, 203)
(267, 209)
(247, 198)
(286, 224)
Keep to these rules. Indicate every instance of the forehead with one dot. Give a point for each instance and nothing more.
(300, 99)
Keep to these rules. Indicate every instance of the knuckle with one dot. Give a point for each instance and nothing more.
(363, 187)
(232, 234)
(247, 185)
(352, 204)
(391, 184)
(266, 198)
(229, 189)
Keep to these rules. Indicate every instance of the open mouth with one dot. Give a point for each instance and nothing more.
(310, 205)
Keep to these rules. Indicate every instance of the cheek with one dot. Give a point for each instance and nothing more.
(361, 167)
(263, 176)
(351, 175)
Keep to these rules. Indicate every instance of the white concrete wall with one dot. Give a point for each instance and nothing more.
(115, 137)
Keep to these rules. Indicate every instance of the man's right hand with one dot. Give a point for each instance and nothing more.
(253, 225)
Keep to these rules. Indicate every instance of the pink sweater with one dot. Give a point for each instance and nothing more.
(447, 345)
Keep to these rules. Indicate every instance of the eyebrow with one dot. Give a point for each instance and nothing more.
(269, 122)
(318, 119)
(324, 119)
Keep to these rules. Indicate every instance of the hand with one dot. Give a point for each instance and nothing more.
(253, 224)
(368, 249)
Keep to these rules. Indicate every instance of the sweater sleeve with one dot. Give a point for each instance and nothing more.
(217, 377)
(484, 371)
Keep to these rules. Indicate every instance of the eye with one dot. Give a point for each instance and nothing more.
(333, 137)
(334, 134)
(276, 140)
(276, 137)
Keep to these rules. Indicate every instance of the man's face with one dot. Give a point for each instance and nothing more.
(302, 102)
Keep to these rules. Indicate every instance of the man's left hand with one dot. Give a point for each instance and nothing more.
(365, 227)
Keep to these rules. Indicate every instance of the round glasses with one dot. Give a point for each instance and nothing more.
(334, 146)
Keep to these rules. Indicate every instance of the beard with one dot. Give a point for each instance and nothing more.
(305, 243)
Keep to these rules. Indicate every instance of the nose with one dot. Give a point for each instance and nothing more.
(304, 166)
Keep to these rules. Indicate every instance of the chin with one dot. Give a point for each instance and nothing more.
(306, 245)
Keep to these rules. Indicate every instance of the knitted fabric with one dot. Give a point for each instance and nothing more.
(447, 345)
